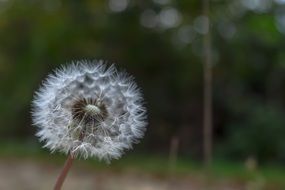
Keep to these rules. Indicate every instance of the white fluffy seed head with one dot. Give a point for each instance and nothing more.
(89, 110)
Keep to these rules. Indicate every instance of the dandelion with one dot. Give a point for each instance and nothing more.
(87, 109)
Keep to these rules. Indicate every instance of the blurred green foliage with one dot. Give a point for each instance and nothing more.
(258, 134)
(160, 43)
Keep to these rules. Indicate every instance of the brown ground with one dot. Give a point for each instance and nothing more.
(30, 175)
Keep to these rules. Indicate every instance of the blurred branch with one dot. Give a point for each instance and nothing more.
(173, 152)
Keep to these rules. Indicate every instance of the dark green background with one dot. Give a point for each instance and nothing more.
(161, 45)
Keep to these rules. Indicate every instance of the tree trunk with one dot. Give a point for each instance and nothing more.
(207, 90)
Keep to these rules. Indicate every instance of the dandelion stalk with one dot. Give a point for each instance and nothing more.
(64, 172)
(67, 165)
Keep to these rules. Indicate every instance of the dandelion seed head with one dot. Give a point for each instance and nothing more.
(89, 110)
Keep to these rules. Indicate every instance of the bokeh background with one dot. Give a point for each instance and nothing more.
(160, 42)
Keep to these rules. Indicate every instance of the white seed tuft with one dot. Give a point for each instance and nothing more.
(89, 110)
